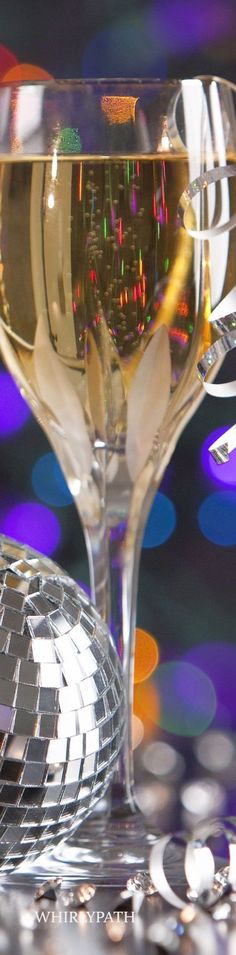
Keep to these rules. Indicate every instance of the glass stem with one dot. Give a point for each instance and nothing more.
(114, 567)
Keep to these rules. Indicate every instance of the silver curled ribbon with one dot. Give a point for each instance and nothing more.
(158, 875)
(199, 868)
(195, 188)
(205, 886)
(223, 316)
(222, 447)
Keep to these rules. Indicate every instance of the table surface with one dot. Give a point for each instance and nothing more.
(59, 932)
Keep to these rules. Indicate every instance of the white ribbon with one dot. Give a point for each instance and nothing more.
(226, 324)
(197, 186)
(158, 874)
(224, 315)
(199, 868)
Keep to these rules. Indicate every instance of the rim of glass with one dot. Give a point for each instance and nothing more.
(95, 81)
(105, 81)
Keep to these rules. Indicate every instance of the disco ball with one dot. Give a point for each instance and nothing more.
(61, 704)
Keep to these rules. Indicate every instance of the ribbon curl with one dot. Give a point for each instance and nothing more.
(223, 316)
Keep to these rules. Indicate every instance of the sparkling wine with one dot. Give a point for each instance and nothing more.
(93, 261)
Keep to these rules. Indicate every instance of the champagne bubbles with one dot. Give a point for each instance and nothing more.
(69, 141)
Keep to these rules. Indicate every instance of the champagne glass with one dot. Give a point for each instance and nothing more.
(104, 305)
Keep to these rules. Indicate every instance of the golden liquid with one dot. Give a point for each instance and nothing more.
(93, 261)
(104, 238)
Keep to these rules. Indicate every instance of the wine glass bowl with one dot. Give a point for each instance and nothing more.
(104, 303)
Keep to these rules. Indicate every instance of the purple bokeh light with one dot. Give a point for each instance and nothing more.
(218, 661)
(187, 26)
(187, 698)
(222, 473)
(14, 410)
(139, 43)
(33, 524)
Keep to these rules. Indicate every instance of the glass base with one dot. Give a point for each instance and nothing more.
(105, 850)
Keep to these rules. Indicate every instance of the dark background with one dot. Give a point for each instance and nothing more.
(187, 593)
(116, 38)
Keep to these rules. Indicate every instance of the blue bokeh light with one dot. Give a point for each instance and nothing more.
(48, 482)
(161, 522)
(221, 473)
(130, 47)
(217, 518)
(33, 524)
(14, 410)
(139, 43)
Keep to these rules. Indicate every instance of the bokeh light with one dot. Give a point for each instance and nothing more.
(217, 518)
(185, 26)
(146, 707)
(32, 524)
(146, 655)
(161, 522)
(130, 46)
(48, 482)
(187, 698)
(156, 799)
(24, 73)
(7, 60)
(222, 473)
(137, 731)
(14, 410)
(141, 42)
(68, 140)
(118, 109)
(161, 759)
(215, 751)
(202, 798)
(218, 661)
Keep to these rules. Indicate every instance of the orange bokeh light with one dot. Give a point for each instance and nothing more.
(119, 109)
(146, 655)
(25, 73)
(147, 707)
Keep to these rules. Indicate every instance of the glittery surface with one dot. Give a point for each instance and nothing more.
(61, 704)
